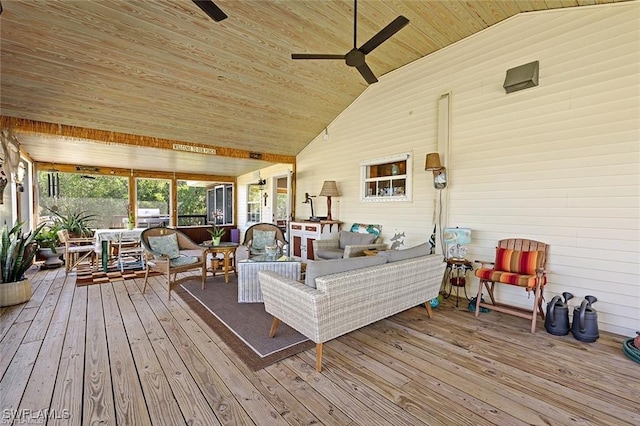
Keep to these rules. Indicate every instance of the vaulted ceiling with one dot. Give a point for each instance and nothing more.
(146, 77)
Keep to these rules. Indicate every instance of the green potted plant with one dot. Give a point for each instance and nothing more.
(76, 223)
(49, 246)
(217, 232)
(17, 250)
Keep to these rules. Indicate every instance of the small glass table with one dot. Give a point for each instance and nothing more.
(248, 283)
(226, 249)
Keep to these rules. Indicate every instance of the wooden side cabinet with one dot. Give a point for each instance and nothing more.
(302, 234)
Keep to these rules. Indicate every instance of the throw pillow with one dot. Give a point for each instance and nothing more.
(397, 255)
(327, 267)
(262, 239)
(366, 229)
(518, 262)
(355, 239)
(166, 244)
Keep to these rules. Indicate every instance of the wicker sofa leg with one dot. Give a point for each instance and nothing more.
(274, 327)
(318, 357)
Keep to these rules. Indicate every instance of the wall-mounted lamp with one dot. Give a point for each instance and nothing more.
(329, 189)
(439, 172)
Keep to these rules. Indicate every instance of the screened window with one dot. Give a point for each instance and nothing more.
(254, 211)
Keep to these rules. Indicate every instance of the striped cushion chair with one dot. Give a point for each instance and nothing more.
(520, 263)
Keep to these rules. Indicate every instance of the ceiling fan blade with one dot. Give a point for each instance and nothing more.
(382, 35)
(315, 56)
(367, 73)
(210, 8)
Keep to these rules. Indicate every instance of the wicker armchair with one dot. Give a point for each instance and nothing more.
(163, 256)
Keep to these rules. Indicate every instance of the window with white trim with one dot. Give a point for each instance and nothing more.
(386, 178)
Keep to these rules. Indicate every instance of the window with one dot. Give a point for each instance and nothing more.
(153, 202)
(386, 179)
(220, 204)
(254, 212)
(192, 206)
(106, 198)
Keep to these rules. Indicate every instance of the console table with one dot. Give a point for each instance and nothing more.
(303, 233)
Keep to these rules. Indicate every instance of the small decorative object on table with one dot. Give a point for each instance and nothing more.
(216, 234)
(271, 250)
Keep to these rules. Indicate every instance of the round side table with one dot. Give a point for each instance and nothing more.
(455, 276)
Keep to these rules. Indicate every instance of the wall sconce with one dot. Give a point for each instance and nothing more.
(329, 189)
(439, 172)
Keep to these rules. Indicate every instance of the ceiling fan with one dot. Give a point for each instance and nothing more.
(210, 8)
(356, 56)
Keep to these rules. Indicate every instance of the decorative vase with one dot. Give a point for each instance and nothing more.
(216, 241)
(15, 293)
(51, 259)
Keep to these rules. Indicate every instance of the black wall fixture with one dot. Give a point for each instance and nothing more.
(211, 9)
(522, 77)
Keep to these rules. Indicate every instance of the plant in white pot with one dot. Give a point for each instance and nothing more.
(17, 251)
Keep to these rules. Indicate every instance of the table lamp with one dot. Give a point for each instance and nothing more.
(329, 189)
(454, 238)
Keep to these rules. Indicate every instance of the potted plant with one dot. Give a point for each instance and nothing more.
(49, 246)
(17, 251)
(217, 232)
(76, 223)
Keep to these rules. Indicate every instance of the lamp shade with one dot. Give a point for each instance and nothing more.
(329, 189)
(433, 161)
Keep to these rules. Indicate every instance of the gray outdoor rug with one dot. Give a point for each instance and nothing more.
(242, 326)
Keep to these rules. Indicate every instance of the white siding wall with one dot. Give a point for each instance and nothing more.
(558, 163)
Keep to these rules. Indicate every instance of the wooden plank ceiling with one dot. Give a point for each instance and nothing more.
(164, 69)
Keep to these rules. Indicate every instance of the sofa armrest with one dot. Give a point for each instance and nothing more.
(292, 302)
(358, 250)
(484, 263)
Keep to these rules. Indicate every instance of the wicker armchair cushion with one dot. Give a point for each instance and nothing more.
(327, 267)
(355, 239)
(518, 262)
(166, 244)
(183, 261)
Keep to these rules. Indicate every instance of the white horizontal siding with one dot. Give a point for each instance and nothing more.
(558, 163)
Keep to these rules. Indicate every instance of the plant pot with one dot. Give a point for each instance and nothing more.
(15, 293)
(130, 225)
(51, 259)
(216, 241)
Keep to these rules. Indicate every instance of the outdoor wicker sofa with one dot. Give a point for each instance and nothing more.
(346, 301)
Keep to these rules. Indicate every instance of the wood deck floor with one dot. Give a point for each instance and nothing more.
(106, 354)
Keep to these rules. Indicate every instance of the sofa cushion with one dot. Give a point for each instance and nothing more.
(166, 244)
(321, 268)
(397, 255)
(329, 253)
(355, 239)
(261, 239)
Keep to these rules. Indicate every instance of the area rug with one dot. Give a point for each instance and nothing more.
(242, 326)
(87, 275)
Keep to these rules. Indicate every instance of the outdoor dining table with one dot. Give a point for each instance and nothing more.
(103, 238)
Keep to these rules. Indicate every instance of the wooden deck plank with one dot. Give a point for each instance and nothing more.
(192, 403)
(187, 337)
(221, 357)
(128, 398)
(98, 405)
(37, 396)
(67, 393)
(450, 369)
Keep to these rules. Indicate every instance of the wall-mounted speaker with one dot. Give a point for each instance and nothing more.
(522, 77)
